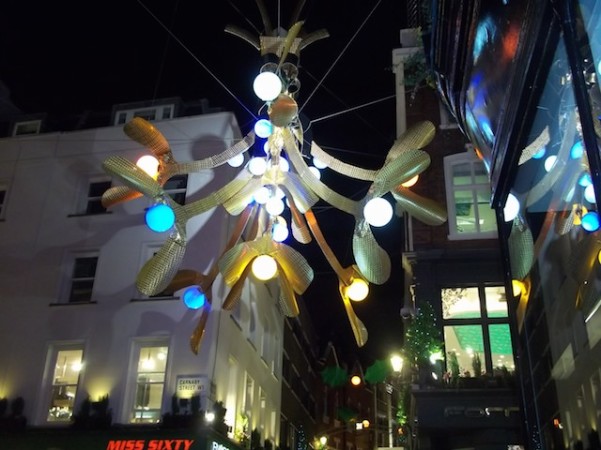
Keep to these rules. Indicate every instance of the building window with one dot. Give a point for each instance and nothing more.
(91, 197)
(82, 279)
(161, 112)
(27, 127)
(176, 187)
(249, 391)
(66, 365)
(476, 326)
(151, 366)
(468, 198)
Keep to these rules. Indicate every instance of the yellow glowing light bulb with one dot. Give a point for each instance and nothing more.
(410, 182)
(357, 290)
(149, 164)
(365, 423)
(355, 380)
(517, 287)
(264, 267)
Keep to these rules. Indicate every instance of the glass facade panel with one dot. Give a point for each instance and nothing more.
(460, 303)
(496, 301)
(500, 347)
(65, 380)
(464, 341)
(462, 174)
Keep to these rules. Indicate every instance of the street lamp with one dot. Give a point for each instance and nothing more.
(396, 362)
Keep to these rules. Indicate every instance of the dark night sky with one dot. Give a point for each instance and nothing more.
(66, 59)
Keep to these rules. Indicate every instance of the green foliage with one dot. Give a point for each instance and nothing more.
(423, 336)
(454, 367)
(346, 414)
(378, 371)
(334, 376)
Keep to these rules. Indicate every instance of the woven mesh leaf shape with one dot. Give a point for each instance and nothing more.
(132, 176)
(373, 262)
(401, 169)
(118, 194)
(199, 331)
(521, 250)
(287, 298)
(359, 329)
(416, 137)
(159, 270)
(303, 196)
(423, 209)
(146, 134)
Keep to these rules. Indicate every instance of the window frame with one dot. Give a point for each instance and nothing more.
(451, 161)
(138, 346)
(53, 352)
(177, 194)
(37, 124)
(85, 199)
(484, 321)
(70, 267)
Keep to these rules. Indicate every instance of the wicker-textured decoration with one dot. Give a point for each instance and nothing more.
(252, 236)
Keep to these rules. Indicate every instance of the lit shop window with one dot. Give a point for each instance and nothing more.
(150, 384)
(65, 379)
(476, 330)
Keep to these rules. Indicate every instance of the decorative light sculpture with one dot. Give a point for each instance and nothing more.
(262, 179)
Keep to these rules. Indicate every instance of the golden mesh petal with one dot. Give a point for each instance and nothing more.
(244, 35)
(521, 250)
(303, 197)
(333, 198)
(341, 167)
(159, 270)
(423, 209)
(401, 169)
(359, 330)
(118, 194)
(373, 262)
(199, 331)
(146, 134)
(218, 197)
(300, 230)
(564, 221)
(233, 296)
(132, 176)
(233, 262)
(238, 202)
(533, 148)
(212, 161)
(184, 278)
(416, 137)
(290, 41)
(287, 299)
(294, 265)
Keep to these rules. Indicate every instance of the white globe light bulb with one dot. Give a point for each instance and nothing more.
(263, 128)
(274, 206)
(319, 163)
(264, 267)
(315, 171)
(589, 194)
(267, 86)
(149, 164)
(550, 162)
(284, 165)
(261, 195)
(512, 208)
(377, 212)
(279, 232)
(357, 290)
(257, 166)
(236, 161)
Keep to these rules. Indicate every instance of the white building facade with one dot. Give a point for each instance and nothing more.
(72, 322)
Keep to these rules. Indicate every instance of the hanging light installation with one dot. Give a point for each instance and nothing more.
(275, 183)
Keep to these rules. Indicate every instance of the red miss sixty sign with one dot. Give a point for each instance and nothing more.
(154, 444)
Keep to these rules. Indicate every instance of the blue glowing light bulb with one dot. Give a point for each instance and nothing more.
(159, 217)
(194, 298)
(263, 128)
(590, 221)
(577, 150)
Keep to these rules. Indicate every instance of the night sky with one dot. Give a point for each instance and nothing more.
(87, 56)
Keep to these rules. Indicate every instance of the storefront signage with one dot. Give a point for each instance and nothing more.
(189, 385)
(152, 444)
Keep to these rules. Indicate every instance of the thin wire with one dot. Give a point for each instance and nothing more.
(162, 66)
(329, 116)
(197, 60)
(340, 55)
(244, 17)
(279, 15)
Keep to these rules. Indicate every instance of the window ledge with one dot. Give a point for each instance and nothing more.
(90, 214)
(67, 303)
(472, 236)
(153, 299)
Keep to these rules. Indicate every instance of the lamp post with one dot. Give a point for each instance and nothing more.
(396, 362)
